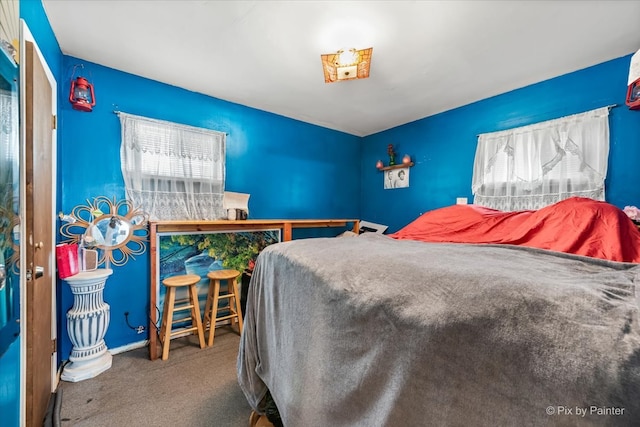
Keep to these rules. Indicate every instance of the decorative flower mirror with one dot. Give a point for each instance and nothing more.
(118, 229)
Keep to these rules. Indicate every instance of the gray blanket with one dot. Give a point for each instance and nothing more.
(371, 331)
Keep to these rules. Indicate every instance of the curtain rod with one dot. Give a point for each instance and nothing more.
(610, 106)
(117, 113)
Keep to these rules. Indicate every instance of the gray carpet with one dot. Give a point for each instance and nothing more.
(194, 387)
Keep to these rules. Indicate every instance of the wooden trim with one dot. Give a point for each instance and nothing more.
(398, 166)
(221, 225)
(288, 232)
(153, 317)
(286, 225)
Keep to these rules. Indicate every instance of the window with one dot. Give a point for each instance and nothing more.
(534, 166)
(172, 171)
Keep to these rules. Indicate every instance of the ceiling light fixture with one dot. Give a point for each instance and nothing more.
(346, 64)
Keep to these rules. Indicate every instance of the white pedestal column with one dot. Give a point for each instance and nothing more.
(87, 323)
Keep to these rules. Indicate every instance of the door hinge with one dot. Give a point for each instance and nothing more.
(54, 345)
(54, 121)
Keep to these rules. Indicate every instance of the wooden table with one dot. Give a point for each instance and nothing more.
(286, 225)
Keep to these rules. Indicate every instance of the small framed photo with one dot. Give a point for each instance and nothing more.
(396, 178)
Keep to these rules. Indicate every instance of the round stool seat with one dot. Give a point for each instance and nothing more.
(223, 274)
(184, 280)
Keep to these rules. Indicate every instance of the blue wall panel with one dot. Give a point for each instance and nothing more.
(443, 145)
(291, 169)
(10, 385)
(35, 16)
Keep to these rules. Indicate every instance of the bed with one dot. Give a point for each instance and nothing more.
(536, 323)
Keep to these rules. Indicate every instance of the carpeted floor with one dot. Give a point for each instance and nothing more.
(194, 387)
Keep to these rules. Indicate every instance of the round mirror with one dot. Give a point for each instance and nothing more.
(118, 229)
(109, 231)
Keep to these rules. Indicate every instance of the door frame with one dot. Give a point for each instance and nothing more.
(26, 35)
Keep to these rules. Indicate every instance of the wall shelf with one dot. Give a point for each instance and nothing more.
(398, 166)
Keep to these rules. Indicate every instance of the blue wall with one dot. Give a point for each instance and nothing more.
(34, 15)
(291, 169)
(443, 145)
(10, 385)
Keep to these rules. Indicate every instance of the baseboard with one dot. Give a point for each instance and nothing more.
(129, 347)
(59, 373)
(145, 343)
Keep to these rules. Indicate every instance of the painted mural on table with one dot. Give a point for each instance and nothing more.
(198, 253)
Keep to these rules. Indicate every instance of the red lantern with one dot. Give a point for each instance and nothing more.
(633, 91)
(633, 95)
(81, 95)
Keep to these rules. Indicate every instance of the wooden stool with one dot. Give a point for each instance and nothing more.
(232, 296)
(170, 307)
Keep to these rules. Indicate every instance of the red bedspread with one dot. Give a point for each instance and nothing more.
(577, 225)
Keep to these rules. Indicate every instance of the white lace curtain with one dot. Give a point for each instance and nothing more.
(172, 171)
(534, 166)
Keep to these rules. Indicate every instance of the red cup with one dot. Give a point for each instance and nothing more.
(67, 260)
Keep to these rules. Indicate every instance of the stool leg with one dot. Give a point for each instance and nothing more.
(167, 321)
(214, 311)
(231, 306)
(207, 307)
(195, 313)
(163, 326)
(236, 300)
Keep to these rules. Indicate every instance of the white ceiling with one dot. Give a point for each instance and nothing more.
(428, 56)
